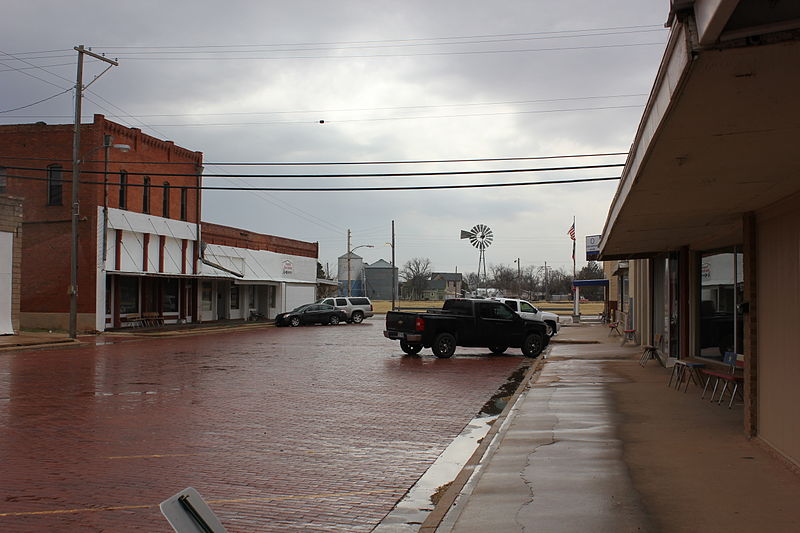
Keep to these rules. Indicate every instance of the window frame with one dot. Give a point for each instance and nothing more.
(55, 185)
(165, 200)
(146, 195)
(123, 189)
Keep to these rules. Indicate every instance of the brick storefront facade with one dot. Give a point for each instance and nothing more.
(38, 162)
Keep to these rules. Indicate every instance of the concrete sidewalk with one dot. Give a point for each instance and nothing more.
(598, 443)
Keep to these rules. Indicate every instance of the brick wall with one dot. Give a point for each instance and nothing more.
(11, 222)
(26, 152)
(228, 236)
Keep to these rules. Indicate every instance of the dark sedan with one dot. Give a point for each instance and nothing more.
(311, 314)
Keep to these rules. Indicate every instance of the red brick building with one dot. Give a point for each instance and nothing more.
(139, 232)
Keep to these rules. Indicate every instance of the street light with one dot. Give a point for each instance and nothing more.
(73, 289)
(349, 256)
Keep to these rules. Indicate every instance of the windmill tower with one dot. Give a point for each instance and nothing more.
(480, 236)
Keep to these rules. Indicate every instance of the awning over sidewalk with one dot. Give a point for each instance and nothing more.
(693, 168)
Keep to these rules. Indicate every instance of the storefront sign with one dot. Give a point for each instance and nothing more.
(592, 247)
(288, 268)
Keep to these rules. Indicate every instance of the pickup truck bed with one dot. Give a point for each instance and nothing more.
(466, 322)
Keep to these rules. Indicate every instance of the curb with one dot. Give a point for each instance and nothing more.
(31, 345)
(435, 518)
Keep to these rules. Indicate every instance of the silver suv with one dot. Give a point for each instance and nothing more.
(357, 308)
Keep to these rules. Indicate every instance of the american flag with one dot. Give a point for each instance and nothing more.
(572, 231)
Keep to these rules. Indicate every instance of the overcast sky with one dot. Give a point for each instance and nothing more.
(392, 81)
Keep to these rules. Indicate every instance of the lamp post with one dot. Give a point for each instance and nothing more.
(349, 256)
(73, 293)
(519, 278)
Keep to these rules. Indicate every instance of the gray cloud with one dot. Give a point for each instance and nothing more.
(366, 102)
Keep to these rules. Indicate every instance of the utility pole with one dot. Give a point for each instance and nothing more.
(546, 288)
(76, 149)
(348, 262)
(394, 272)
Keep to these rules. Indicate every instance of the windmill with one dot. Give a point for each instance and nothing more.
(480, 236)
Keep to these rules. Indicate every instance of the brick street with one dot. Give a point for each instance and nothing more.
(280, 429)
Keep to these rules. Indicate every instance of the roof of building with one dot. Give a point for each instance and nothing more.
(447, 276)
(380, 263)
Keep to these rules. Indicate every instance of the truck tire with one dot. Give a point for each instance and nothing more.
(497, 350)
(551, 328)
(533, 345)
(410, 349)
(357, 317)
(444, 345)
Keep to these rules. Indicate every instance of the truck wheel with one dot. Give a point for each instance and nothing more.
(497, 350)
(444, 345)
(551, 328)
(358, 317)
(410, 349)
(533, 345)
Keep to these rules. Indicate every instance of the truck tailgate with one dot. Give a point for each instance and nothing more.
(400, 321)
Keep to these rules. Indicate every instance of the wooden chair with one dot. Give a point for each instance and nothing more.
(728, 377)
(613, 327)
(650, 351)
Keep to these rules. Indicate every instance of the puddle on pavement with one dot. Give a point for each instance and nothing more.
(411, 511)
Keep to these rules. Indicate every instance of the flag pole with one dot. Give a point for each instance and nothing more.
(575, 290)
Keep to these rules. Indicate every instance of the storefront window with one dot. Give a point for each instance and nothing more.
(169, 295)
(235, 297)
(205, 296)
(721, 290)
(128, 295)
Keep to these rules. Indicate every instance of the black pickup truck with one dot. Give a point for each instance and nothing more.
(466, 322)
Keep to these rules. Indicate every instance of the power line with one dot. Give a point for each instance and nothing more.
(355, 189)
(368, 56)
(340, 163)
(355, 46)
(354, 176)
(558, 32)
(387, 108)
(37, 102)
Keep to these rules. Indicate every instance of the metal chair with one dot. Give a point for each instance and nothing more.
(726, 377)
(650, 351)
(689, 370)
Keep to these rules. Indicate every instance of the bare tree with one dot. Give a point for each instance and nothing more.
(504, 278)
(416, 272)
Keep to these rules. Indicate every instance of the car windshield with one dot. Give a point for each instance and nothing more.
(301, 308)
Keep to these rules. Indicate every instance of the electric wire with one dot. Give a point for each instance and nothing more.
(37, 102)
(360, 189)
(337, 163)
(351, 175)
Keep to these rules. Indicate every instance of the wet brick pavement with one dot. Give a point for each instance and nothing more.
(280, 429)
